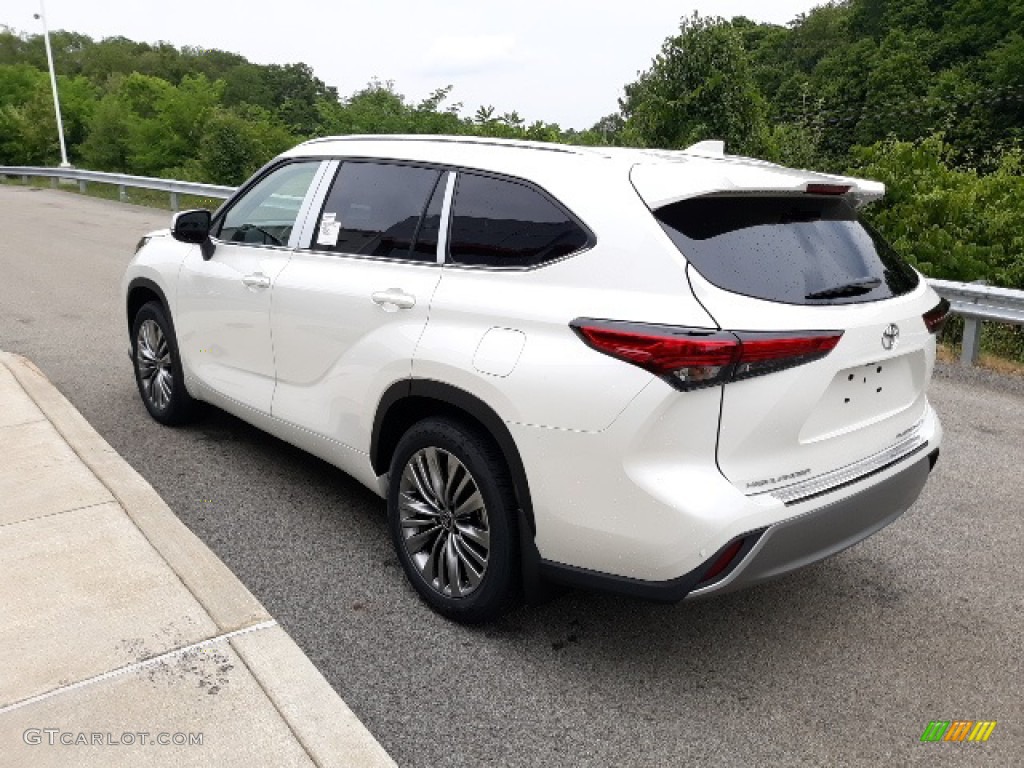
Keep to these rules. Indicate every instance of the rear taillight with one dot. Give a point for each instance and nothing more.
(690, 358)
(936, 317)
(769, 352)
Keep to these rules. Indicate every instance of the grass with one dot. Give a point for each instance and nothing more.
(1002, 346)
(948, 353)
(150, 198)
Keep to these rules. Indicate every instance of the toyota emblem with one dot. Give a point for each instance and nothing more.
(891, 336)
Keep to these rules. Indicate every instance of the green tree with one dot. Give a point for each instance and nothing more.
(296, 91)
(895, 103)
(107, 147)
(28, 127)
(953, 223)
(236, 144)
(700, 86)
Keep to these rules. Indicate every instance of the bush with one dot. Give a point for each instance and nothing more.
(952, 223)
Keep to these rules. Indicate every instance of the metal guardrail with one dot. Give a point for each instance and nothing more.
(974, 302)
(121, 180)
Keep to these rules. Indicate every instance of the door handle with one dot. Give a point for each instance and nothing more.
(394, 298)
(256, 280)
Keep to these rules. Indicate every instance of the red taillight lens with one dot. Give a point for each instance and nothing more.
(936, 317)
(689, 358)
(769, 352)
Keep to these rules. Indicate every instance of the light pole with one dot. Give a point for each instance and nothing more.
(53, 84)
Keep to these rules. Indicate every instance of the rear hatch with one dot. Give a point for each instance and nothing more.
(788, 257)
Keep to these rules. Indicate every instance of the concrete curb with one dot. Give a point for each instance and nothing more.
(219, 591)
(318, 718)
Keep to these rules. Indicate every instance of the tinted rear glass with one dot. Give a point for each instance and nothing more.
(501, 223)
(795, 250)
(374, 209)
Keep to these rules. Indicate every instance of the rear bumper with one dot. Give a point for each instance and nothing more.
(777, 549)
(821, 533)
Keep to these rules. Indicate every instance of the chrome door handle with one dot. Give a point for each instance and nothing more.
(256, 280)
(394, 298)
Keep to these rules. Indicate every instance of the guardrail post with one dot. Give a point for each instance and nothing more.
(972, 341)
(54, 181)
(81, 186)
(24, 179)
(121, 193)
(174, 202)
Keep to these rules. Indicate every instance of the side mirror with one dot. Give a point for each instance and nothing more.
(191, 226)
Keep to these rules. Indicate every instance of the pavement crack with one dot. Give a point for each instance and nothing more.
(173, 654)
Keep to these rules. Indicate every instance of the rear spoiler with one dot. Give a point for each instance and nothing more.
(704, 169)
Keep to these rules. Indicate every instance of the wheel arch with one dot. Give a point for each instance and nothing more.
(410, 400)
(141, 291)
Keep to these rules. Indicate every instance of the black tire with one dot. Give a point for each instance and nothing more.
(157, 365)
(458, 525)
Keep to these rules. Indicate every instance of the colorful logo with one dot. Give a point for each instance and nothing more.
(958, 730)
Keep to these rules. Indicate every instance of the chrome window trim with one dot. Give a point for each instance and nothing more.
(310, 209)
(446, 213)
(531, 268)
(365, 257)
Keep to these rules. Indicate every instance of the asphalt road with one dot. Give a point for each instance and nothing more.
(844, 663)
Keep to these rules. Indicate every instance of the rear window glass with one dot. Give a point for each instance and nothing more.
(500, 223)
(794, 250)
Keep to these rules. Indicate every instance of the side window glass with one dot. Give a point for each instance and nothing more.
(266, 214)
(375, 209)
(501, 223)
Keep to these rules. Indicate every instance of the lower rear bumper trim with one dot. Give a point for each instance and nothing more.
(778, 549)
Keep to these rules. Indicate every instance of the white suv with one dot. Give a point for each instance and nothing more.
(666, 374)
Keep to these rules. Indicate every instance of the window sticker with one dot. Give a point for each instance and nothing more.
(330, 228)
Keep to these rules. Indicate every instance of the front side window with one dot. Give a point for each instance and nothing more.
(500, 223)
(266, 213)
(377, 209)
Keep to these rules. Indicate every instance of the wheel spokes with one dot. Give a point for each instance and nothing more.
(153, 357)
(418, 541)
(452, 559)
(416, 471)
(471, 504)
(435, 474)
(443, 520)
(420, 510)
(478, 536)
(472, 564)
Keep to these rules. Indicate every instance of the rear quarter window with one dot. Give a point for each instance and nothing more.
(793, 250)
(502, 223)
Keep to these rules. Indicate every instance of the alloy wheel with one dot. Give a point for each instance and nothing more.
(153, 357)
(444, 522)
